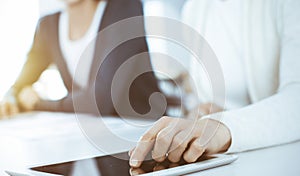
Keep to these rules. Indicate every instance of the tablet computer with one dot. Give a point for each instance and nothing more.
(112, 165)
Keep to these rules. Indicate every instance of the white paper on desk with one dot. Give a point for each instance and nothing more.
(128, 129)
(109, 134)
(40, 126)
(44, 125)
(41, 138)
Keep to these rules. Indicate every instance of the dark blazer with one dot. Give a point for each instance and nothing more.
(46, 50)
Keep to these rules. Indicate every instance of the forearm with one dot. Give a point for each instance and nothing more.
(80, 102)
(272, 121)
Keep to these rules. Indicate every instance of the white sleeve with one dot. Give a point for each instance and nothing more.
(274, 120)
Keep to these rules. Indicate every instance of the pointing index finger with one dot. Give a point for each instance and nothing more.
(146, 142)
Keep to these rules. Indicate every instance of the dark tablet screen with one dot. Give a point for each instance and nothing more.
(110, 165)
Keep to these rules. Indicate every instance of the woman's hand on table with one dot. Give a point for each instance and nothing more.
(8, 109)
(25, 101)
(174, 138)
(28, 98)
(9, 105)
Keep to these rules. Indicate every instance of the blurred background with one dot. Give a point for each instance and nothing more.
(18, 21)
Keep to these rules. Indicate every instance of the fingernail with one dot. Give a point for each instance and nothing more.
(134, 173)
(133, 162)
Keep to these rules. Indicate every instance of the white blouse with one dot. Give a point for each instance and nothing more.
(83, 48)
(221, 29)
(269, 43)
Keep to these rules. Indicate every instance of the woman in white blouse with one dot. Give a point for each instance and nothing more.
(258, 46)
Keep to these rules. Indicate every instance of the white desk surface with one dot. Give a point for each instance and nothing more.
(44, 138)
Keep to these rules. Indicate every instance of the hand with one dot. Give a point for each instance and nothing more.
(8, 109)
(174, 138)
(203, 110)
(28, 98)
(9, 105)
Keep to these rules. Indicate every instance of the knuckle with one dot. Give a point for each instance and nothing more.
(163, 138)
(165, 119)
(158, 155)
(183, 146)
(179, 142)
(146, 137)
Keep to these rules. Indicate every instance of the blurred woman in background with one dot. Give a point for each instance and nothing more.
(68, 39)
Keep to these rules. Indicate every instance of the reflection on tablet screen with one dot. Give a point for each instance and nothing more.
(109, 166)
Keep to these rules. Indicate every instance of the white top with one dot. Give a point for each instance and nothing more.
(220, 29)
(270, 42)
(83, 48)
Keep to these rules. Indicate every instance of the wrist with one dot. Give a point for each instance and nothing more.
(217, 134)
(10, 96)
